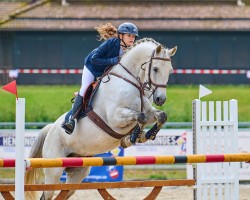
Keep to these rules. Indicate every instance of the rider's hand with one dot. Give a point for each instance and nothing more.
(114, 60)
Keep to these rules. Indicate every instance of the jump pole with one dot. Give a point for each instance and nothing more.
(129, 160)
(19, 163)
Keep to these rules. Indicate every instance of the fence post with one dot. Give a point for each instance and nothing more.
(215, 129)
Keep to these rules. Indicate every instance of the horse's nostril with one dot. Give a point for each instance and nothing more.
(158, 99)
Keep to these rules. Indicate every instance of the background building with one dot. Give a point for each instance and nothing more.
(44, 34)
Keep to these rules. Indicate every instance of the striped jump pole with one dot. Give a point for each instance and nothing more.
(128, 160)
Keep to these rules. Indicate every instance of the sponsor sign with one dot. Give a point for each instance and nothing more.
(167, 142)
(104, 173)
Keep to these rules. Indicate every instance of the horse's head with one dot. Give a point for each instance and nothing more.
(158, 71)
(150, 62)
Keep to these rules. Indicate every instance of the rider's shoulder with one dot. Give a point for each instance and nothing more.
(112, 40)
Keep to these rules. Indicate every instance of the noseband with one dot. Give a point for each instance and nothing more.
(139, 85)
(150, 82)
(146, 85)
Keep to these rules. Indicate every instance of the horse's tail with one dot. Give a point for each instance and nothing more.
(32, 175)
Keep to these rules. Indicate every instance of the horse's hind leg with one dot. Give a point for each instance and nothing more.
(52, 176)
(76, 175)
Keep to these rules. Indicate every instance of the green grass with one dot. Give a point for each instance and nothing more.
(143, 174)
(129, 174)
(7, 173)
(179, 103)
(47, 103)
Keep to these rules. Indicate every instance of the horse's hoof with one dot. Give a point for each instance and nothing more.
(143, 137)
(135, 135)
(162, 117)
(142, 118)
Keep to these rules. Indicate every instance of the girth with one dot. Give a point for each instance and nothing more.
(100, 123)
(94, 117)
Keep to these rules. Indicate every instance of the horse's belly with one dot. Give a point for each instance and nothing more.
(95, 143)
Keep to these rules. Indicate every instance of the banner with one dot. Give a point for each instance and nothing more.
(104, 173)
(167, 142)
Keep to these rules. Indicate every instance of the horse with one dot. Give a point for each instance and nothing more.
(124, 103)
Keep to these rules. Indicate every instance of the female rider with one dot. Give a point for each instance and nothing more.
(107, 54)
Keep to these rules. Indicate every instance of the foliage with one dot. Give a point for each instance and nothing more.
(47, 103)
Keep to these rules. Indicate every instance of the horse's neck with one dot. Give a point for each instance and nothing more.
(134, 59)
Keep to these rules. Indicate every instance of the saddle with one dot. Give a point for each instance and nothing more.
(87, 110)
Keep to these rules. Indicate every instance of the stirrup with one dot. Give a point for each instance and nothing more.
(69, 126)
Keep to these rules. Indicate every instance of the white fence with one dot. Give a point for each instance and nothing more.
(215, 131)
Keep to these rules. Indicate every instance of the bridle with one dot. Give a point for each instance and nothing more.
(146, 85)
(150, 82)
(138, 84)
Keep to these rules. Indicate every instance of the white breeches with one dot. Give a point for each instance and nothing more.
(87, 79)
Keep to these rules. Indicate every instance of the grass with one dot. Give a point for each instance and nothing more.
(7, 173)
(146, 174)
(129, 174)
(47, 103)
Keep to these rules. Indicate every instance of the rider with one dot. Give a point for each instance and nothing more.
(107, 54)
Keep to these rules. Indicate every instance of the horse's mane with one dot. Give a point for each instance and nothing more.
(143, 40)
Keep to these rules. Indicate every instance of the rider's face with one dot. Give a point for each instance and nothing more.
(128, 39)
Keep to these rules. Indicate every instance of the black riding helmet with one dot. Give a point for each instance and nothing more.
(129, 28)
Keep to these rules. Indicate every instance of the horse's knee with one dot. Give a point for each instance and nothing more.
(141, 118)
(162, 117)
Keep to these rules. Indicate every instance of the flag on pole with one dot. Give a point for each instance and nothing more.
(11, 87)
(203, 91)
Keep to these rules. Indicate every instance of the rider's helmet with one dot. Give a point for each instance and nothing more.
(129, 28)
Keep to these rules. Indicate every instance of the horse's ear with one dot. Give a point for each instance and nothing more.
(158, 49)
(172, 51)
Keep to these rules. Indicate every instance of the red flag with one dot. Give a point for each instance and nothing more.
(11, 87)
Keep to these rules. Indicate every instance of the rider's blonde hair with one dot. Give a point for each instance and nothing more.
(106, 31)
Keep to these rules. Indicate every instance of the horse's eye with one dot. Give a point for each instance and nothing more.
(155, 69)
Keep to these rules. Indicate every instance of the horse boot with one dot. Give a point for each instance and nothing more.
(136, 134)
(69, 124)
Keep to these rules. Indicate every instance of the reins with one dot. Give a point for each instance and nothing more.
(142, 86)
(138, 84)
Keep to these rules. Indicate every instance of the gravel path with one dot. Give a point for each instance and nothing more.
(173, 193)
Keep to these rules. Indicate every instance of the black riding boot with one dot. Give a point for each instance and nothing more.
(69, 123)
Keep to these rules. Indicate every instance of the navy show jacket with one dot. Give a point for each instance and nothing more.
(104, 56)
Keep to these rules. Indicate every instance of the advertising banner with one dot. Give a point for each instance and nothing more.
(167, 142)
(104, 173)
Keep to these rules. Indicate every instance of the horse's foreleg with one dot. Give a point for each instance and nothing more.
(134, 137)
(123, 117)
(160, 117)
